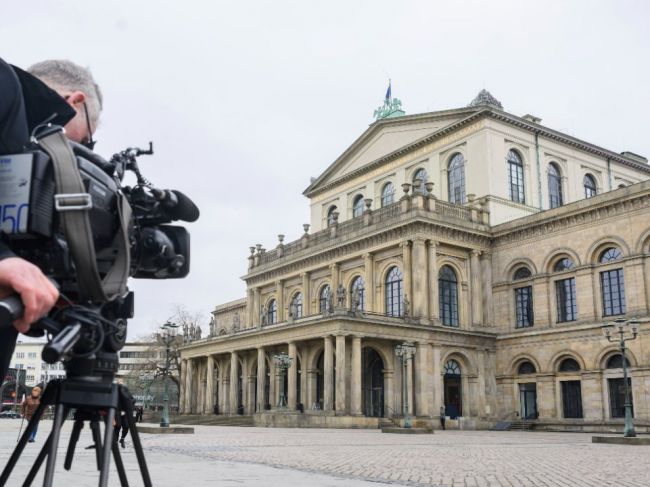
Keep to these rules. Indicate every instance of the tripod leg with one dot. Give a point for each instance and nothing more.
(97, 438)
(38, 462)
(23, 441)
(106, 450)
(74, 437)
(59, 416)
(119, 465)
(126, 404)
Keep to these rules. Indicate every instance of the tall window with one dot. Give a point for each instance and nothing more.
(516, 177)
(612, 283)
(565, 293)
(272, 312)
(456, 179)
(617, 388)
(524, 306)
(357, 291)
(421, 174)
(590, 186)
(394, 292)
(330, 215)
(357, 206)
(387, 194)
(324, 298)
(448, 296)
(296, 305)
(554, 186)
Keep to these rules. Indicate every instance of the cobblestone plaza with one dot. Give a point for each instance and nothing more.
(229, 456)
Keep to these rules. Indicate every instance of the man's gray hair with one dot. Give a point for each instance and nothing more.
(63, 75)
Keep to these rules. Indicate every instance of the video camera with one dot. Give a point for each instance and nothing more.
(127, 233)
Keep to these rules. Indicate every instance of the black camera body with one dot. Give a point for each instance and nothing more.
(29, 214)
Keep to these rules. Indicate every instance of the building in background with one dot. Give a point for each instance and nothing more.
(497, 246)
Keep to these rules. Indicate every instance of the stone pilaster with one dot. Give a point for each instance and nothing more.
(340, 374)
(310, 402)
(423, 380)
(486, 274)
(250, 393)
(279, 296)
(183, 387)
(476, 292)
(328, 372)
(355, 382)
(261, 379)
(306, 294)
(406, 268)
(592, 395)
(257, 307)
(335, 276)
(389, 393)
(432, 259)
(188, 386)
(234, 381)
(209, 385)
(409, 385)
(438, 395)
(369, 265)
(419, 279)
(292, 376)
(546, 396)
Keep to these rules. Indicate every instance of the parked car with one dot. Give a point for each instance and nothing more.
(9, 414)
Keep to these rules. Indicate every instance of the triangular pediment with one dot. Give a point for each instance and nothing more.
(384, 137)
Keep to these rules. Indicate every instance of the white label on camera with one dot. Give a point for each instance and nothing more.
(15, 185)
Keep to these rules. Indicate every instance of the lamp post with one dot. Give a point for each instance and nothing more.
(167, 336)
(627, 330)
(283, 362)
(405, 352)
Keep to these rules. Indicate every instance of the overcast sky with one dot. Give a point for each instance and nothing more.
(246, 100)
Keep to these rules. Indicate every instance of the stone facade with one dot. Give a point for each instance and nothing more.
(502, 296)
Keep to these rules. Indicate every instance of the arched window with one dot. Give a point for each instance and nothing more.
(590, 186)
(526, 368)
(569, 365)
(612, 284)
(387, 194)
(522, 273)
(324, 298)
(452, 368)
(565, 292)
(421, 174)
(272, 312)
(448, 296)
(616, 362)
(296, 306)
(394, 292)
(554, 186)
(357, 294)
(330, 215)
(516, 177)
(564, 264)
(610, 255)
(456, 179)
(357, 206)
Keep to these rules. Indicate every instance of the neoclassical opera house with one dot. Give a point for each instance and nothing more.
(497, 247)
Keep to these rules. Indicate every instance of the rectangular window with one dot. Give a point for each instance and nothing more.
(20, 354)
(31, 355)
(613, 290)
(524, 306)
(571, 399)
(565, 293)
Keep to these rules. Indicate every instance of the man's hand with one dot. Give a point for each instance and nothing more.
(36, 292)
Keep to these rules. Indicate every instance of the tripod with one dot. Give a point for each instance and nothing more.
(88, 397)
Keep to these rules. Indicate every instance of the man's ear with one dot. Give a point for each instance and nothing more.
(76, 97)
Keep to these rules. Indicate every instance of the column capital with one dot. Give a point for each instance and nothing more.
(433, 243)
(476, 252)
(368, 256)
(404, 244)
(279, 282)
(304, 275)
(486, 253)
(333, 266)
(419, 239)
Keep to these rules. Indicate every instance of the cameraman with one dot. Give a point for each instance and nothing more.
(25, 103)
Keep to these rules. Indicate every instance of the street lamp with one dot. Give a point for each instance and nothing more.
(405, 352)
(283, 362)
(167, 336)
(624, 326)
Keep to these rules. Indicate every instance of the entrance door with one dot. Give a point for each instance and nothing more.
(571, 399)
(617, 397)
(528, 400)
(373, 384)
(453, 390)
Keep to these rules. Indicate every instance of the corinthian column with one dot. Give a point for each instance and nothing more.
(292, 376)
(369, 264)
(279, 291)
(306, 294)
(340, 373)
(419, 283)
(406, 264)
(328, 372)
(432, 259)
(209, 386)
(234, 382)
